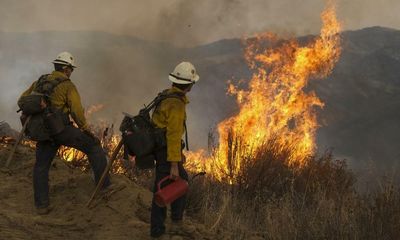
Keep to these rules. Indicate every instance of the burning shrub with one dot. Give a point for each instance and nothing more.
(273, 200)
(269, 175)
(263, 162)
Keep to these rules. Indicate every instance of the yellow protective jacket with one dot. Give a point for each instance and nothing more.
(65, 97)
(171, 115)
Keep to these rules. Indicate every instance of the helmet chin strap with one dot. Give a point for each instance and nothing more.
(181, 78)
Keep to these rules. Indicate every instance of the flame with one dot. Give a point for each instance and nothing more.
(70, 154)
(108, 141)
(275, 104)
(107, 138)
(93, 109)
(29, 143)
(273, 108)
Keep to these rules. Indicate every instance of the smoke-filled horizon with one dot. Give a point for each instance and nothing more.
(122, 72)
(189, 22)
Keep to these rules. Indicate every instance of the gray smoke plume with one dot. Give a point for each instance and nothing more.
(190, 22)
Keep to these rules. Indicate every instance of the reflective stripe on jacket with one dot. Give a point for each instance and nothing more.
(66, 97)
(171, 115)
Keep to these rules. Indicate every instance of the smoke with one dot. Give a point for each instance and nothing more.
(190, 22)
(122, 72)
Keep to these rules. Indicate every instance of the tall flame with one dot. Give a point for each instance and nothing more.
(275, 105)
(93, 109)
(273, 108)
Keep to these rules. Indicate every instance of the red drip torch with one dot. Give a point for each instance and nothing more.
(171, 192)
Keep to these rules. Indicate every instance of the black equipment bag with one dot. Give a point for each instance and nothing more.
(44, 122)
(141, 137)
(31, 104)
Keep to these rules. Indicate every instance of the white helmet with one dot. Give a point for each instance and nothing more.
(65, 58)
(184, 73)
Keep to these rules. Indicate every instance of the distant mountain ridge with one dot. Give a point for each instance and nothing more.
(360, 120)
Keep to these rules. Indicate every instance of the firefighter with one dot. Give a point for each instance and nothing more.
(65, 99)
(171, 116)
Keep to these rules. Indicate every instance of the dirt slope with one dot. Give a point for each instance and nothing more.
(122, 215)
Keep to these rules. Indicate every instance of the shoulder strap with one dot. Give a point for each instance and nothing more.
(39, 83)
(162, 96)
(46, 87)
(180, 97)
(186, 136)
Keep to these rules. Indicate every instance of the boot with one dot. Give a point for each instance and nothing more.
(180, 228)
(160, 234)
(43, 210)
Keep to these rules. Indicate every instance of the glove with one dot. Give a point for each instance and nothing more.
(174, 172)
(43, 103)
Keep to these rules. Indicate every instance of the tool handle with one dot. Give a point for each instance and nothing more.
(103, 176)
(20, 136)
(165, 179)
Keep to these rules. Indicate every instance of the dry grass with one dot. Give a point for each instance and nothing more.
(272, 200)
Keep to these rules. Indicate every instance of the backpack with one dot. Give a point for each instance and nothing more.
(141, 137)
(44, 122)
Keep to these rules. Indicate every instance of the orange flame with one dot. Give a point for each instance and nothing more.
(93, 109)
(275, 105)
(73, 155)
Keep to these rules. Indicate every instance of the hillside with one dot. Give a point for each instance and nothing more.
(123, 214)
(359, 121)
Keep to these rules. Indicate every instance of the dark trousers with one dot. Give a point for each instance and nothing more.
(158, 214)
(46, 151)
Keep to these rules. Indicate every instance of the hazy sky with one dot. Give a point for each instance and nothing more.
(180, 22)
(191, 22)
